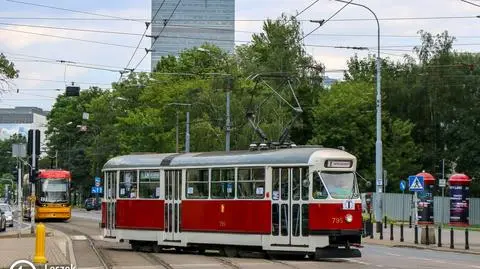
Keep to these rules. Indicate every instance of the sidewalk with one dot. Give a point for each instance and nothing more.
(13, 248)
(409, 239)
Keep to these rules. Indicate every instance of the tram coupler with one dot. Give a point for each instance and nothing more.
(335, 252)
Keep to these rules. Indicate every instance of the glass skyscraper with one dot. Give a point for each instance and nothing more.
(193, 23)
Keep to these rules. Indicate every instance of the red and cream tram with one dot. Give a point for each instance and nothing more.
(301, 200)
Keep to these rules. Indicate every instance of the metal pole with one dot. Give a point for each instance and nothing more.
(19, 195)
(443, 190)
(34, 165)
(227, 129)
(378, 143)
(56, 159)
(187, 133)
(176, 133)
(403, 206)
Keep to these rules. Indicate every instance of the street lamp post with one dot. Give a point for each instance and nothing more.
(187, 127)
(378, 143)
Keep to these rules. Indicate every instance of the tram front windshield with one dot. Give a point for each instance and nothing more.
(340, 185)
(54, 190)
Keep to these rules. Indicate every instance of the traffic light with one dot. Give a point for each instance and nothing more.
(72, 91)
(33, 175)
(30, 142)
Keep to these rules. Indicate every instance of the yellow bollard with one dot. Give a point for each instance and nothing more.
(39, 257)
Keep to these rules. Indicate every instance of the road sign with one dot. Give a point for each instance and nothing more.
(379, 182)
(415, 183)
(403, 185)
(442, 183)
(97, 189)
(97, 181)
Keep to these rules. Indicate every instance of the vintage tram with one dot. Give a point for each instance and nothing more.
(300, 200)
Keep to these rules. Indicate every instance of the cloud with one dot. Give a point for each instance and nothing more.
(335, 32)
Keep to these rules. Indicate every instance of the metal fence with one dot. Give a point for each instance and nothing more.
(398, 207)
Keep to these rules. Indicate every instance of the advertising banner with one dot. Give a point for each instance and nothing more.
(425, 204)
(459, 204)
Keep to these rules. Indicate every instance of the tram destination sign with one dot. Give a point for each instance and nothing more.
(338, 163)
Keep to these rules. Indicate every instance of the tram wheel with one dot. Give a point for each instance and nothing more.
(135, 246)
(156, 248)
(230, 251)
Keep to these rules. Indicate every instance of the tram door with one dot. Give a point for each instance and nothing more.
(173, 199)
(110, 203)
(290, 189)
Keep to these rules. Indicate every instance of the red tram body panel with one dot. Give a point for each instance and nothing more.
(333, 218)
(226, 216)
(132, 214)
(301, 200)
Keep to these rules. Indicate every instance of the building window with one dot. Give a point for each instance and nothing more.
(128, 184)
(251, 183)
(197, 183)
(149, 186)
(222, 183)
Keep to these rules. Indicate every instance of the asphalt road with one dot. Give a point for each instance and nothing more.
(121, 256)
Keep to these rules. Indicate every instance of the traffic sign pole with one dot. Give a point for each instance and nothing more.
(402, 187)
(416, 184)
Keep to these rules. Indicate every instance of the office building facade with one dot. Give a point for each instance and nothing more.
(19, 120)
(192, 23)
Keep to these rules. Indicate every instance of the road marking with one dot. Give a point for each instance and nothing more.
(418, 258)
(360, 262)
(78, 237)
(197, 265)
(393, 254)
(379, 265)
(474, 266)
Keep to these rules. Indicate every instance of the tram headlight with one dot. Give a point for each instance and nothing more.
(348, 218)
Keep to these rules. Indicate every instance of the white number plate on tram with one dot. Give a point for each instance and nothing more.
(348, 205)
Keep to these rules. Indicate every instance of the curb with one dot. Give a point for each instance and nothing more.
(71, 254)
(24, 235)
(425, 248)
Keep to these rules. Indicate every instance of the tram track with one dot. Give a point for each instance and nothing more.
(155, 259)
(101, 256)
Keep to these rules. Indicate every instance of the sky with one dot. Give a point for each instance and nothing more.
(43, 60)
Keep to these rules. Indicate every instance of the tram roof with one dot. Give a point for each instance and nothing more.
(299, 155)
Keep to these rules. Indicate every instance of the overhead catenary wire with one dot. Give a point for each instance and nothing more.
(72, 10)
(58, 61)
(212, 39)
(141, 38)
(325, 21)
(247, 20)
(155, 39)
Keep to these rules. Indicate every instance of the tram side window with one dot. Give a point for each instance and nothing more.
(197, 183)
(149, 184)
(128, 184)
(222, 183)
(251, 183)
(319, 190)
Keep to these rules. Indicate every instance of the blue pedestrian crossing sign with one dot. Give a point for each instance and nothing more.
(415, 183)
(97, 189)
(403, 185)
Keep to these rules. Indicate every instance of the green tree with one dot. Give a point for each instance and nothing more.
(346, 117)
(7, 72)
(279, 50)
(68, 140)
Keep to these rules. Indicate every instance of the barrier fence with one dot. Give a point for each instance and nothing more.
(399, 207)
